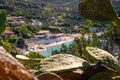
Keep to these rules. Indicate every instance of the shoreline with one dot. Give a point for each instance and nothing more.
(38, 47)
(57, 43)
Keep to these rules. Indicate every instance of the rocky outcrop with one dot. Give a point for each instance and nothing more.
(11, 69)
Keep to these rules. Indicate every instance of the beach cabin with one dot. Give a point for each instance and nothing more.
(42, 33)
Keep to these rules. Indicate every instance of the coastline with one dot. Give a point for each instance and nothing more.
(60, 42)
(38, 47)
(55, 46)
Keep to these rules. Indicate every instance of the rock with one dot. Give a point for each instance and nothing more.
(49, 76)
(72, 75)
(11, 69)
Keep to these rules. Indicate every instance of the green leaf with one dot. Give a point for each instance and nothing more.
(117, 23)
(98, 10)
(2, 23)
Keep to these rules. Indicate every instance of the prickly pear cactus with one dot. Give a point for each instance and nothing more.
(98, 10)
(103, 56)
(101, 76)
(62, 62)
(28, 62)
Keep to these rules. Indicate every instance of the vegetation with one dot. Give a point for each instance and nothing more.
(40, 9)
(20, 43)
(34, 62)
(34, 55)
(92, 9)
(66, 14)
(7, 43)
(77, 48)
(2, 21)
(23, 31)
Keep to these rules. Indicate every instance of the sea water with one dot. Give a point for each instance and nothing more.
(49, 50)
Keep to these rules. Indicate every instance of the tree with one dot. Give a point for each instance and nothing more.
(64, 49)
(2, 21)
(74, 49)
(20, 43)
(55, 52)
(34, 55)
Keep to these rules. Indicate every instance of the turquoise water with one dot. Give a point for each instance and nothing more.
(56, 47)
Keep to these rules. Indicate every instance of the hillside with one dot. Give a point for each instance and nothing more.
(64, 10)
(40, 9)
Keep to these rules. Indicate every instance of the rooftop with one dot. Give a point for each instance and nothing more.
(43, 31)
(7, 31)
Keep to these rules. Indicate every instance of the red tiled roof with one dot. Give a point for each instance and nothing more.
(7, 31)
(43, 31)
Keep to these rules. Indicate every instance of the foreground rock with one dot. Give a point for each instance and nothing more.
(11, 69)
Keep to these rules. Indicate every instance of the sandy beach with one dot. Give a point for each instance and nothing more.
(35, 46)
(66, 39)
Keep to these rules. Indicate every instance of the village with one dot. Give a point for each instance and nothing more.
(43, 39)
(37, 44)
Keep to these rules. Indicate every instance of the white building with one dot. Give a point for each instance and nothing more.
(43, 33)
(36, 23)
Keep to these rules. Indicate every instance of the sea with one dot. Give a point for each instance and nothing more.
(49, 50)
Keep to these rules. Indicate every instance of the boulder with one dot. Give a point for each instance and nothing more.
(11, 69)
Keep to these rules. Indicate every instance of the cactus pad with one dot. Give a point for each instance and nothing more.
(105, 57)
(62, 62)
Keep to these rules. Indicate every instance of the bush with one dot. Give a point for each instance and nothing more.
(34, 55)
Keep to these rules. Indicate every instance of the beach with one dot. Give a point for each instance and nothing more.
(65, 39)
(36, 45)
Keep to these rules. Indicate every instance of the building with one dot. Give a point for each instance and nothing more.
(16, 20)
(36, 23)
(43, 33)
(76, 27)
(52, 19)
(7, 32)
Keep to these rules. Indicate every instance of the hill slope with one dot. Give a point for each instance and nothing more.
(43, 9)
